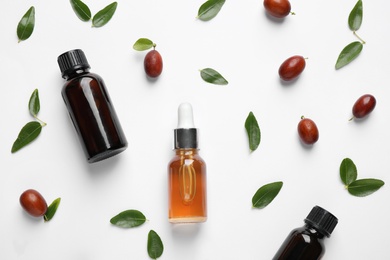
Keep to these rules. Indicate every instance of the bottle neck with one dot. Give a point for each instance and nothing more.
(314, 231)
(75, 73)
(187, 151)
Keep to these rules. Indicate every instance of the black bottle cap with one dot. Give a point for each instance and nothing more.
(71, 61)
(322, 220)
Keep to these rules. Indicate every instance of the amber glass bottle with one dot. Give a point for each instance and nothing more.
(187, 188)
(90, 108)
(306, 243)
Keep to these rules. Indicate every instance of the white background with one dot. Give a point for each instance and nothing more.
(247, 47)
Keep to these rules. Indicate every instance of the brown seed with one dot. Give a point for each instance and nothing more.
(33, 202)
(363, 106)
(153, 64)
(277, 8)
(292, 67)
(308, 131)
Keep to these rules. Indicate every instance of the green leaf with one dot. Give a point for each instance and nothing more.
(348, 171)
(253, 131)
(266, 194)
(213, 77)
(356, 16)
(155, 245)
(348, 54)
(364, 187)
(128, 219)
(104, 16)
(28, 133)
(81, 9)
(34, 104)
(26, 25)
(143, 44)
(210, 9)
(52, 209)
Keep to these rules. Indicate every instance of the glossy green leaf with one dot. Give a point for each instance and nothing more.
(348, 54)
(210, 9)
(28, 134)
(212, 76)
(155, 245)
(266, 194)
(26, 25)
(128, 219)
(52, 209)
(348, 171)
(34, 104)
(143, 44)
(364, 187)
(104, 16)
(356, 16)
(253, 131)
(81, 9)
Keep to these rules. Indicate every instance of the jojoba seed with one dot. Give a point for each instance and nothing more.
(33, 202)
(277, 8)
(292, 67)
(308, 131)
(363, 106)
(153, 64)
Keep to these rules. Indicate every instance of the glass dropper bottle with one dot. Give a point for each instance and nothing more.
(186, 173)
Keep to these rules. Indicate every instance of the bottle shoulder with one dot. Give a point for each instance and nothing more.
(80, 76)
(82, 80)
(308, 234)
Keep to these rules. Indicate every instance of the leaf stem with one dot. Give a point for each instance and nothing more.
(40, 121)
(363, 42)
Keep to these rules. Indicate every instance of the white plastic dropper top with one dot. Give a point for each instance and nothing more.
(185, 116)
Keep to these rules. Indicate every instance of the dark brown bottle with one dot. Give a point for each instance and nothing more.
(306, 243)
(90, 108)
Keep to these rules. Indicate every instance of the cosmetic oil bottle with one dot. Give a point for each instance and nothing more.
(186, 173)
(307, 242)
(90, 108)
